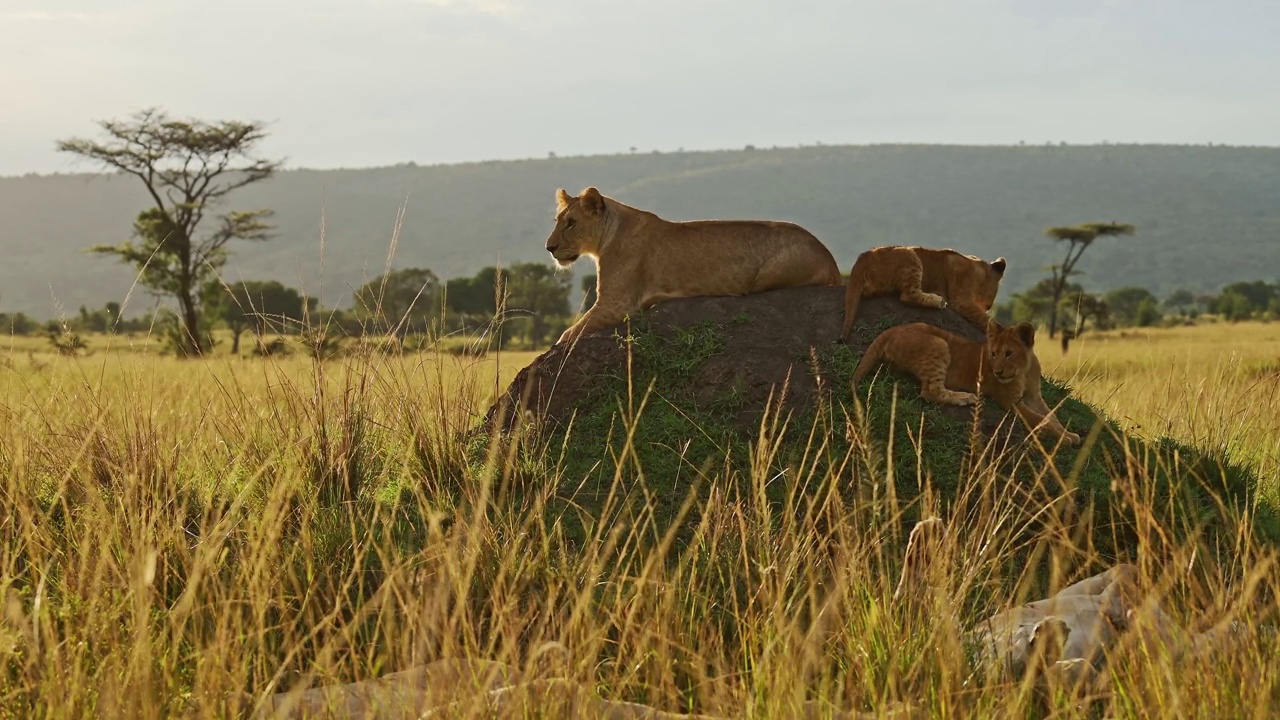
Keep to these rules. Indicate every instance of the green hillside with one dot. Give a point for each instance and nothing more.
(1206, 215)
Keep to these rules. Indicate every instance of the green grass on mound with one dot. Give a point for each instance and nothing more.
(655, 433)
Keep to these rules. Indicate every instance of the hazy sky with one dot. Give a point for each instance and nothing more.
(374, 82)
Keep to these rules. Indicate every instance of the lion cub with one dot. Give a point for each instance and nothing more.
(925, 278)
(951, 368)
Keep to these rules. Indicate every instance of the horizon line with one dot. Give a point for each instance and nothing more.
(552, 156)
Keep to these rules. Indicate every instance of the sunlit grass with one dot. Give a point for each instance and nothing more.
(193, 536)
(1213, 385)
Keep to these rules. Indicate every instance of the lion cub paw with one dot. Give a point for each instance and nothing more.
(964, 398)
(933, 300)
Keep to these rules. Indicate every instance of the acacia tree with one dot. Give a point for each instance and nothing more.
(1078, 239)
(188, 167)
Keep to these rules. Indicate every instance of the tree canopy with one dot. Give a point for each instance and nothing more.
(261, 306)
(188, 167)
(539, 294)
(1133, 306)
(400, 302)
(1078, 239)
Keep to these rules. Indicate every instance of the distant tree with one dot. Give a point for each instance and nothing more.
(1003, 312)
(100, 321)
(187, 167)
(1089, 309)
(1074, 309)
(1078, 239)
(492, 288)
(1148, 313)
(344, 322)
(400, 301)
(113, 311)
(1179, 301)
(1036, 304)
(64, 339)
(17, 324)
(261, 306)
(95, 321)
(1257, 294)
(1206, 302)
(473, 302)
(588, 292)
(474, 296)
(1233, 306)
(1129, 304)
(536, 289)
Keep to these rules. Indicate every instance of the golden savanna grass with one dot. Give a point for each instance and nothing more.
(1212, 385)
(188, 537)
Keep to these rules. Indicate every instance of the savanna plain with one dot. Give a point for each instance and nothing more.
(189, 537)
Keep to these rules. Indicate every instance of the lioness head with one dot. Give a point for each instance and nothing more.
(988, 283)
(1009, 349)
(579, 226)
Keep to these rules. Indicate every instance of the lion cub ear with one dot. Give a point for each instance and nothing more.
(993, 329)
(562, 199)
(592, 201)
(998, 265)
(1026, 333)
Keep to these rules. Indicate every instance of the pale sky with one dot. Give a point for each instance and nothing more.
(375, 82)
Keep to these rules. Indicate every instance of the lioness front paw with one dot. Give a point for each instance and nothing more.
(1070, 438)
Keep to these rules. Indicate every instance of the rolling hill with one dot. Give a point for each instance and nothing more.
(1205, 215)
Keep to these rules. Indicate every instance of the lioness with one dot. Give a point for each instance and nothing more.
(926, 278)
(951, 368)
(642, 259)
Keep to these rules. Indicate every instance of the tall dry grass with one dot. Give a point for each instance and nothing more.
(191, 537)
(1214, 385)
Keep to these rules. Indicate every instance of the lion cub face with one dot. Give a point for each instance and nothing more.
(1009, 350)
(579, 226)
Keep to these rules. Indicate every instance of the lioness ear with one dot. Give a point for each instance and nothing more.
(591, 201)
(998, 265)
(562, 199)
(1026, 333)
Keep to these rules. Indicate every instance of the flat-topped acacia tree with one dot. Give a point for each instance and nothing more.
(1078, 239)
(187, 167)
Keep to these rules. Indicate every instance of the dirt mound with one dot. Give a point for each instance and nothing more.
(745, 348)
(708, 368)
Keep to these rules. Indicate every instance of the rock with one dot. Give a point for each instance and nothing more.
(1066, 638)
